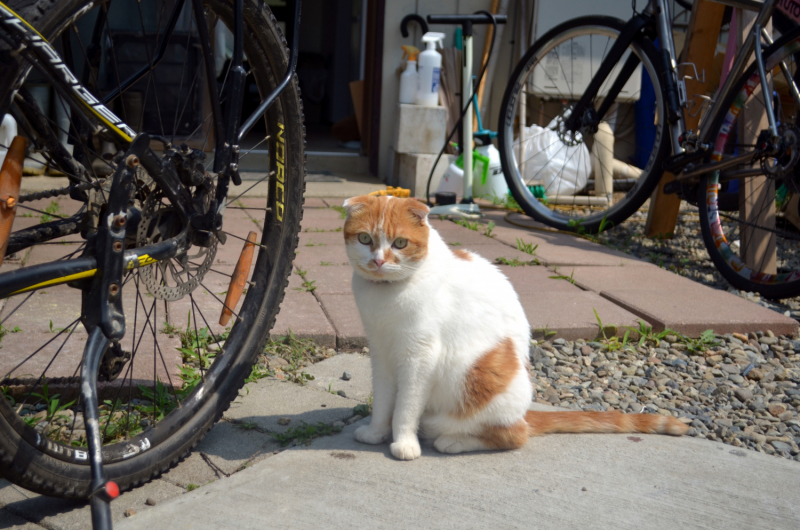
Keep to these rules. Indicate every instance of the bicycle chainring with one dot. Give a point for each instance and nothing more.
(174, 278)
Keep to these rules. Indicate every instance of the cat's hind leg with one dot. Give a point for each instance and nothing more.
(489, 437)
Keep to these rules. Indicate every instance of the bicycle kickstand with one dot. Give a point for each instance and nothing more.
(103, 491)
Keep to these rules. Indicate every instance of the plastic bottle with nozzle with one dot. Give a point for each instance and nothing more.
(408, 79)
(430, 68)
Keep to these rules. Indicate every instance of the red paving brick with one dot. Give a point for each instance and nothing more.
(333, 279)
(536, 279)
(696, 308)
(301, 313)
(342, 311)
(571, 315)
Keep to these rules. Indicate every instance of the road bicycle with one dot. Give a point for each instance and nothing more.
(124, 287)
(585, 86)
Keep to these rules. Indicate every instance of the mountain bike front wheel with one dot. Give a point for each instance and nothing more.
(593, 178)
(177, 368)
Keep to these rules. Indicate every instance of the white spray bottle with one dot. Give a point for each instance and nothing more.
(430, 68)
(408, 79)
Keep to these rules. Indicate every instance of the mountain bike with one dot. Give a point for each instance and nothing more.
(130, 318)
(589, 83)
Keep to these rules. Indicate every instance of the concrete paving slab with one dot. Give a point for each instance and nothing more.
(557, 481)
(228, 447)
(301, 313)
(320, 239)
(352, 185)
(696, 308)
(9, 520)
(192, 470)
(329, 372)
(62, 514)
(270, 399)
(341, 310)
(570, 314)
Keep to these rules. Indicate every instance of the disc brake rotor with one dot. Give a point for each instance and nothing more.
(174, 278)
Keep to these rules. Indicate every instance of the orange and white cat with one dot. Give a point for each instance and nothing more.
(448, 342)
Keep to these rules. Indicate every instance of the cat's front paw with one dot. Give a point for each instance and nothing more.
(367, 435)
(406, 449)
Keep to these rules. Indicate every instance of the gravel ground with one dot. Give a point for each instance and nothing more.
(737, 389)
(685, 254)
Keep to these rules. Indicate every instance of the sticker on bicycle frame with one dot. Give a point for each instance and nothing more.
(36, 40)
(280, 159)
(140, 261)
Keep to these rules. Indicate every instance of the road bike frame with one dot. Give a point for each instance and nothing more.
(100, 271)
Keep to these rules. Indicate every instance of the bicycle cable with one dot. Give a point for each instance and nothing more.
(466, 107)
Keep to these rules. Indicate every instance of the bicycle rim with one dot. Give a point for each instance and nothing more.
(582, 180)
(756, 246)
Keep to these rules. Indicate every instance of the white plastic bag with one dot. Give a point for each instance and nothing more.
(564, 169)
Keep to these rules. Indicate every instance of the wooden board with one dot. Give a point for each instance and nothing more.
(699, 48)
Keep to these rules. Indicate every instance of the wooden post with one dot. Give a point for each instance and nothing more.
(699, 48)
(756, 194)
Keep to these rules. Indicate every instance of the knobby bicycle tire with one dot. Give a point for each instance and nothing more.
(53, 469)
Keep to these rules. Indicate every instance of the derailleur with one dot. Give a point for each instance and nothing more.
(113, 362)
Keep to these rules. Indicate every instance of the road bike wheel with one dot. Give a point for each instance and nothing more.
(761, 251)
(588, 180)
(177, 369)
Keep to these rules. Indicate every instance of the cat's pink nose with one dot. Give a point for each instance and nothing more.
(379, 262)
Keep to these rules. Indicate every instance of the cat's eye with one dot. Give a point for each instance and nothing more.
(364, 238)
(400, 242)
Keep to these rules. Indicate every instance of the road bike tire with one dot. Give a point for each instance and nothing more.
(722, 232)
(54, 468)
(567, 215)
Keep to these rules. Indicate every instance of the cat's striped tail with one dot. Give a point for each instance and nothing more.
(601, 422)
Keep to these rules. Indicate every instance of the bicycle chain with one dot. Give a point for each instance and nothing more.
(58, 192)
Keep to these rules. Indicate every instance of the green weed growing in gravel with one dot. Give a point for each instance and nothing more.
(610, 330)
(312, 244)
(546, 332)
(5, 331)
(170, 329)
(298, 353)
(701, 344)
(489, 229)
(646, 333)
(364, 409)
(508, 202)
(191, 487)
(325, 263)
(303, 434)
(455, 244)
(527, 248)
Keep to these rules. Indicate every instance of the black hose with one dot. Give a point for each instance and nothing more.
(466, 107)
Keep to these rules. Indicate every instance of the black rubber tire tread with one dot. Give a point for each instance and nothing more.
(24, 464)
(646, 184)
(774, 291)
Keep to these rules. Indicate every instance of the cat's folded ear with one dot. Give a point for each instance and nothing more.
(419, 210)
(354, 204)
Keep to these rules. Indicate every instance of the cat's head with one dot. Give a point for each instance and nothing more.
(386, 237)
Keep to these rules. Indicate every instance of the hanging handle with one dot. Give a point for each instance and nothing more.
(416, 18)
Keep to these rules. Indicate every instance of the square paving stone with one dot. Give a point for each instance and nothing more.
(314, 202)
(229, 446)
(320, 239)
(492, 251)
(571, 315)
(310, 256)
(694, 308)
(328, 374)
(331, 279)
(342, 311)
(302, 314)
(268, 400)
